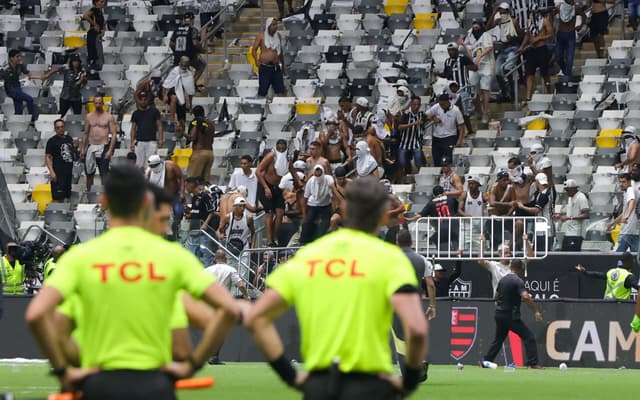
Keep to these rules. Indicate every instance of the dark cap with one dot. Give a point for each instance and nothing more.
(188, 15)
(503, 174)
(445, 161)
(75, 57)
(438, 190)
(444, 97)
(340, 172)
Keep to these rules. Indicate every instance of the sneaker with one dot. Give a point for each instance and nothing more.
(425, 376)
(488, 364)
(536, 366)
(215, 360)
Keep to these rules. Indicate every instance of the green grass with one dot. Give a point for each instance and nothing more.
(254, 380)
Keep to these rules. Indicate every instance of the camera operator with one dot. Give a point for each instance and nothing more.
(12, 272)
(50, 264)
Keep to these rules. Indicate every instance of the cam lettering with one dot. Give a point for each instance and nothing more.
(589, 342)
(335, 268)
(129, 271)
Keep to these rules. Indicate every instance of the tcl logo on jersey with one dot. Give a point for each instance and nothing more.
(464, 325)
(128, 271)
(335, 268)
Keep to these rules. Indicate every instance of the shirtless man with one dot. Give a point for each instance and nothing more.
(540, 30)
(97, 148)
(271, 61)
(345, 118)
(339, 189)
(315, 158)
(168, 175)
(333, 144)
(520, 181)
(396, 209)
(599, 24)
(566, 35)
(501, 203)
(270, 171)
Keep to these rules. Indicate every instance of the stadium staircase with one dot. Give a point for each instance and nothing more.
(240, 35)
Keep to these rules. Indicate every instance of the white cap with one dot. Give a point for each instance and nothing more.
(401, 82)
(475, 179)
(541, 178)
(452, 45)
(537, 148)
(156, 73)
(438, 267)
(239, 201)
(154, 159)
(504, 5)
(299, 165)
(570, 183)
(362, 102)
(630, 129)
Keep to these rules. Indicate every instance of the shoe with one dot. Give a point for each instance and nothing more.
(488, 364)
(425, 376)
(536, 366)
(215, 360)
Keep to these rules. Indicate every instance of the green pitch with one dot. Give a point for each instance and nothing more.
(254, 380)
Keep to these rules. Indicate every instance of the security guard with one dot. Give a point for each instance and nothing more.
(620, 280)
(50, 264)
(12, 271)
(331, 282)
(126, 295)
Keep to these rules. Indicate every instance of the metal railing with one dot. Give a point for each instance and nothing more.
(42, 230)
(276, 256)
(7, 209)
(461, 238)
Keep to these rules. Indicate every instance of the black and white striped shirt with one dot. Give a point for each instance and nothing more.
(455, 69)
(522, 11)
(411, 138)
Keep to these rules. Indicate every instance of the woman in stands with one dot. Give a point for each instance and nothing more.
(74, 78)
(95, 17)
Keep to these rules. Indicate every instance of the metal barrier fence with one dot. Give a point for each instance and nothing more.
(460, 238)
(7, 209)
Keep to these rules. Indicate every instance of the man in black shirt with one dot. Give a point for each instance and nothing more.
(59, 159)
(12, 75)
(146, 131)
(626, 278)
(200, 214)
(508, 296)
(443, 281)
(186, 42)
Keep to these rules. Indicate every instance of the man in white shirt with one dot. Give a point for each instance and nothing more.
(317, 201)
(226, 276)
(479, 47)
(448, 131)
(576, 212)
(628, 239)
(247, 178)
(498, 269)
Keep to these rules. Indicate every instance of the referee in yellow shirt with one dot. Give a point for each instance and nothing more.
(126, 281)
(345, 287)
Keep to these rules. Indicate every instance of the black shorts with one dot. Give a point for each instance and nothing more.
(129, 385)
(61, 188)
(275, 202)
(320, 384)
(599, 23)
(538, 57)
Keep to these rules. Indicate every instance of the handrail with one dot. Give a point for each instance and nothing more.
(237, 259)
(43, 230)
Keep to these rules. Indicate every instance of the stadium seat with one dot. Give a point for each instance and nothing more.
(558, 156)
(239, 72)
(18, 123)
(144, 22)
(151, 38)
(582, 156)
(402, 36)
(154, 55)
(480, 156)
(41, 194)
(531, 137)
(425, 21)
(600, 194)
(248, 122)
(584, 138)
(182, 157)
(308, 106)
(34, 158)
(63, 231)
(131, 55)
(13, 174)
(395, 6)
(620, 49)
(57, 212)
(329, 71)
(349, 22)
(135, 73)
(8, 155)
(484, 138)
(326, 37)
(219, 87)
(611, 119)
(26, 211)
(502, 156)
(247, 88)
(36, 27)
(26, 233)
(608, 138)
(168, 22)
(233, 105)
(283, 105)
(540, 102)
(10, 23)
(74, 39)
(253, 105)
(604, 175)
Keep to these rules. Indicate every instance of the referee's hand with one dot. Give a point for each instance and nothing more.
(179, 369)
(73, 377)
(395, 381)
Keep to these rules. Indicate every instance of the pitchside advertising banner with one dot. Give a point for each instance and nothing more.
(587, 333)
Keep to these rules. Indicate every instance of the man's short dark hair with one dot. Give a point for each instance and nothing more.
(414, 97)
(14, 52)
(626, 176)
(247, 158)
(366, 202)
(627, 260)
(344, 99)
(281, 141)
(132, 156)
(340, 172)
(517, 265)
(315, 143)
(404, 238)
(160, 195)
(125, 189)
(58, 120)
(198, 111)
(514, 160)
